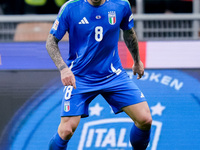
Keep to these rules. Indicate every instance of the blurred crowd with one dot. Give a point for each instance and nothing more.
(52, 6)
(11, 7)
(165, 6)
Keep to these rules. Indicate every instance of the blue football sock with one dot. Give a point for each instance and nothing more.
(57, 143)
(139, 138)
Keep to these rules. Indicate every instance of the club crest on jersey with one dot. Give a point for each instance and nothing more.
(112, 17)
(67, 106)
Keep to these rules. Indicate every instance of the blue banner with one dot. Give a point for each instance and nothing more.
(28, 55)
(173, 97)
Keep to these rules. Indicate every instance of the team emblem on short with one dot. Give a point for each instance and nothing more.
(67, 106)
(112, 17)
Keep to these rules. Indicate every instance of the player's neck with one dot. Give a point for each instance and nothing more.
(96, 2)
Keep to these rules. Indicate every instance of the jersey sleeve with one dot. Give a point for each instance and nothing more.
(61, 25)
(127, 21)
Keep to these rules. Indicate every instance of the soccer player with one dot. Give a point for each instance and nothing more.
(93, 66)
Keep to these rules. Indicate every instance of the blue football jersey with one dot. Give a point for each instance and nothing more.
(93, 36)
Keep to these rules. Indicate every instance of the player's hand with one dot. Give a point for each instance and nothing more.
(138, 68)
(67, 77)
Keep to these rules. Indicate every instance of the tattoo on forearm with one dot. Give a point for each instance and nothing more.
(54, 52)
(131, 41)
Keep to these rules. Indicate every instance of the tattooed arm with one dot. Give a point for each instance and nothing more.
(67, 77)
(131, 41)
(54, 52)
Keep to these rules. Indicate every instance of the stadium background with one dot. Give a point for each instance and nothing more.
(31, 90)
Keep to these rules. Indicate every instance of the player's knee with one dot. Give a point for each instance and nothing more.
(145, 122)
(68, 126)
(65, 132)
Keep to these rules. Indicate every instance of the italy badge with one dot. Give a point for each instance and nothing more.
(67, 106)
(112, 17)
